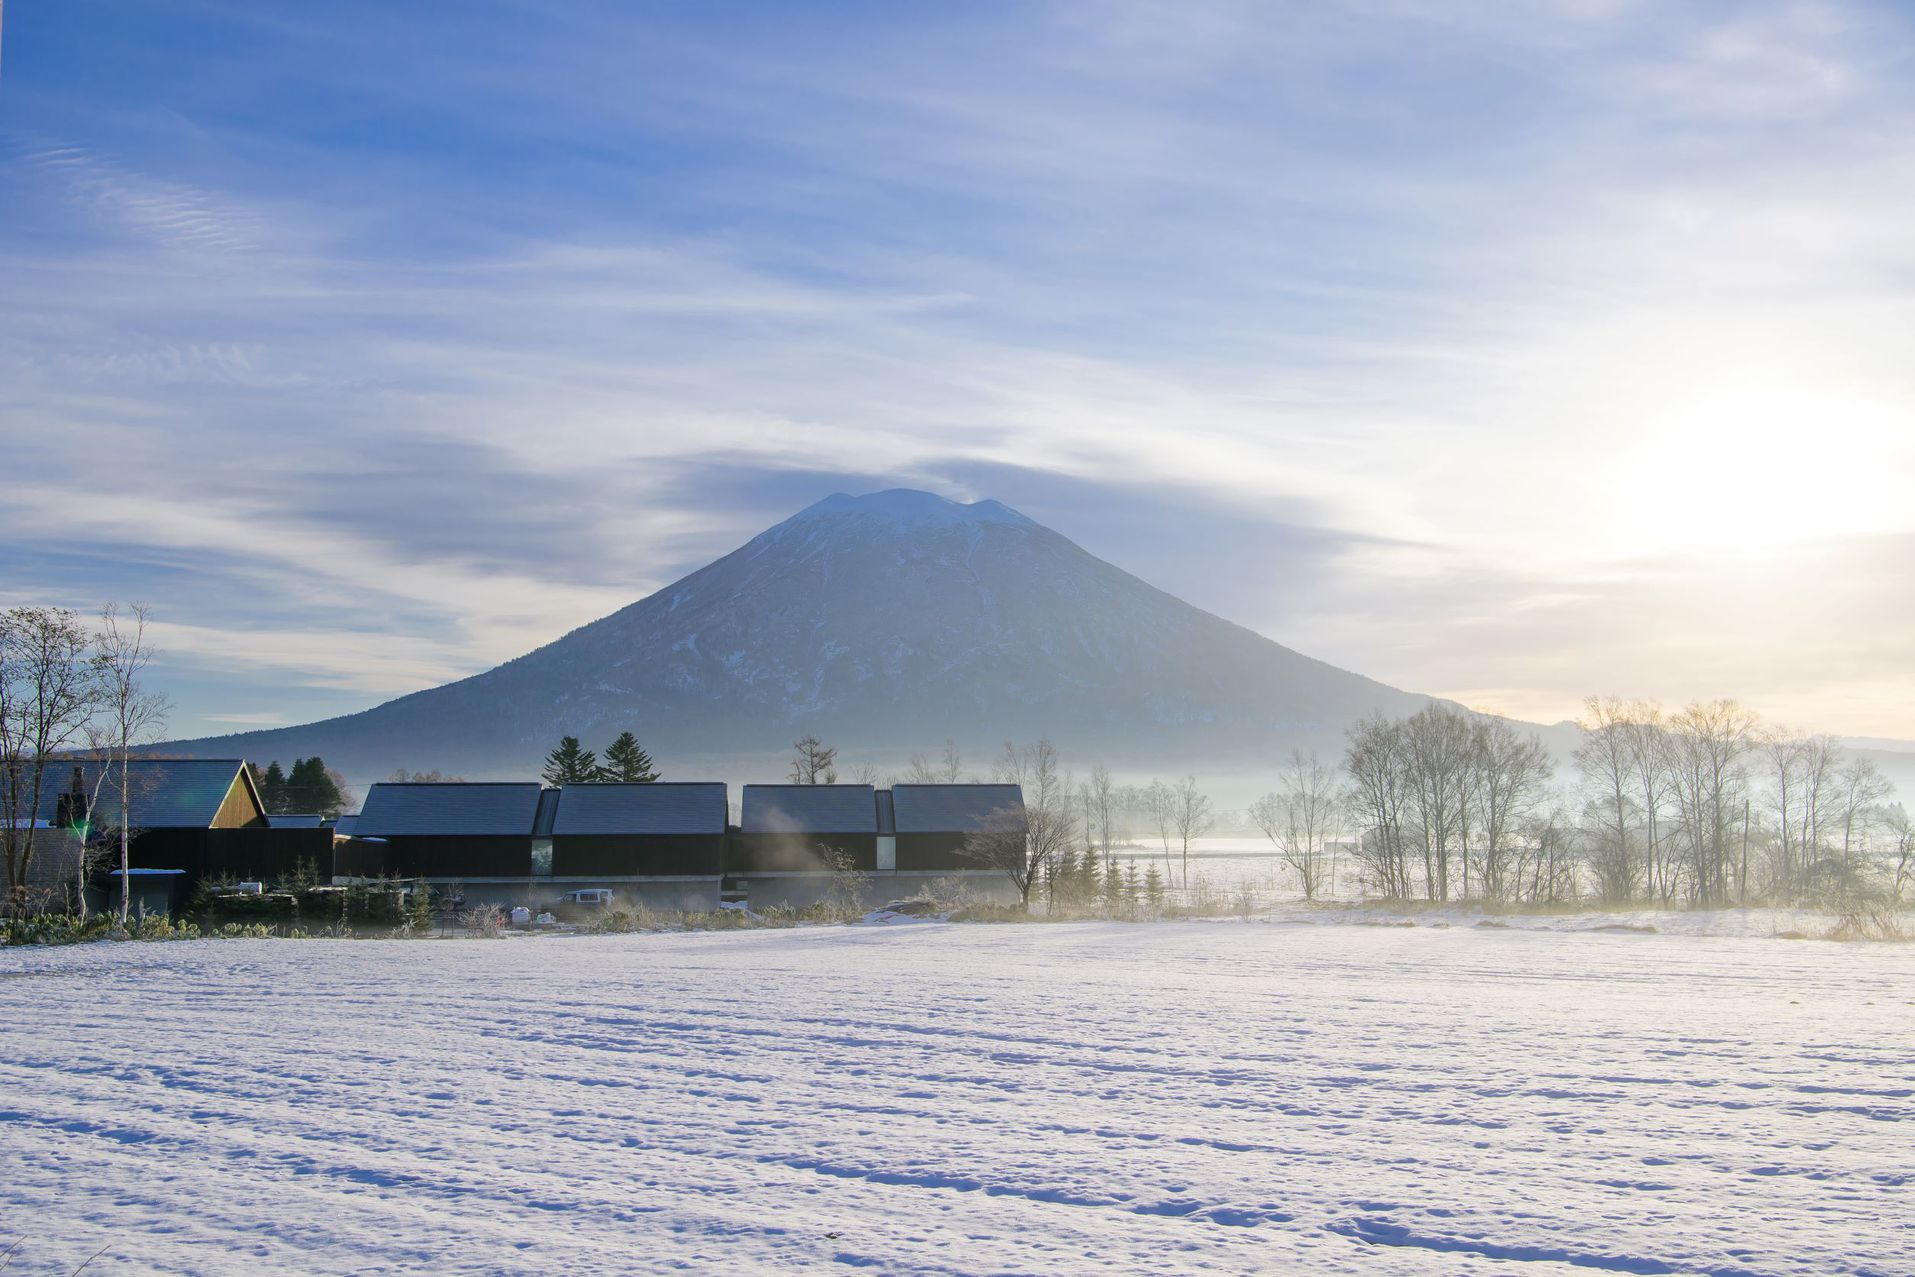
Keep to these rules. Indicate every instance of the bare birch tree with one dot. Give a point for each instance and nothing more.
(129, 714)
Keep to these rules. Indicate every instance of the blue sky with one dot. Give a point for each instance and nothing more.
(1508, 352)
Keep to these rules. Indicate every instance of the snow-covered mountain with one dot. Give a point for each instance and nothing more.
(885, 624)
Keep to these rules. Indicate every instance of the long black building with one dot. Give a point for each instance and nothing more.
(658, 829)
(933, 822)
(451, 829)
(794, 828)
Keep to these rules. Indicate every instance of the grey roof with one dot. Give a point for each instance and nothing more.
(673, 807)
(819, 809)
(459, 809)
(166, 793)
(887, 815)
(937, 809)
(294, 820)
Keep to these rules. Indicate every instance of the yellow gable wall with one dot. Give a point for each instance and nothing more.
(238, 811)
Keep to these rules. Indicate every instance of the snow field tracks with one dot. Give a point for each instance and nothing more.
(1209, 1097)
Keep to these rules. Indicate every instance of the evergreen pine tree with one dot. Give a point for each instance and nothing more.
(1110, 889)
(626, 761)
(569, 764)
(310, 787)
(272, 787)
(1154, 889)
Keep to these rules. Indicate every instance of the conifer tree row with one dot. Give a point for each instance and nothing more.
(625, 762)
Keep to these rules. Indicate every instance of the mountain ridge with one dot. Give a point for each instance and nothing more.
(887, 622)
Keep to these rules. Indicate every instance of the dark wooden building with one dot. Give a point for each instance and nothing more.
(660, 829)
(200, 816)
(934, 820)
(451, 829)
(784, 827)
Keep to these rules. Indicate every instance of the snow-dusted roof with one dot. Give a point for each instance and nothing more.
(810, 809)
(449, 809)
(937, 809)
(692, 807)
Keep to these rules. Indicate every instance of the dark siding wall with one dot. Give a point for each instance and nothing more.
(618, 855)
(420, 857)
(359, 859)
(259, 853)
(164, 849)
(266, 854)
(927, 853)
(767, 853)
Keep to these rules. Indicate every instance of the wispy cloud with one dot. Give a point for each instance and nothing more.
(400, 350)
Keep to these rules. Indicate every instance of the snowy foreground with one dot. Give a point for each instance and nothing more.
(936, 1098)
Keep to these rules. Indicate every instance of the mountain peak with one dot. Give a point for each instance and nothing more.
(907, 509)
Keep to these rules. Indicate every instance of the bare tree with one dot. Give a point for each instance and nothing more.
(1901, 851)
(49, 686)
(868, 774)
(1376, 762)
(129, 714)
(1048, 831)
(1710, 740)
(1859, 786)
(1191, 815)
(1785, 756)
(946, 770)
(1651, 763)
(1301, 816)
(1437, 752)
(1514, 772)
(1100, 812)
(1605, 761)
(1002, 842)
(814, 763)
(1160, 806)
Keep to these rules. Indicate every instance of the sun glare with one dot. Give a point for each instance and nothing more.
(1751, 470)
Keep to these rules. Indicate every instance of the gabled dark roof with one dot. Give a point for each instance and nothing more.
(819, 809)
(166, 793)
(345, 826)
(294, 820)
(673, 807)
(458, 809)
(939, 809)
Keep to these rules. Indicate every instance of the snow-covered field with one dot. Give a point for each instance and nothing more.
(935, 1098)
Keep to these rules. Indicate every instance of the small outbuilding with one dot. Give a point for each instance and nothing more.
(797, 828)
(451, 829)
(933, 822)
(661, 829)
